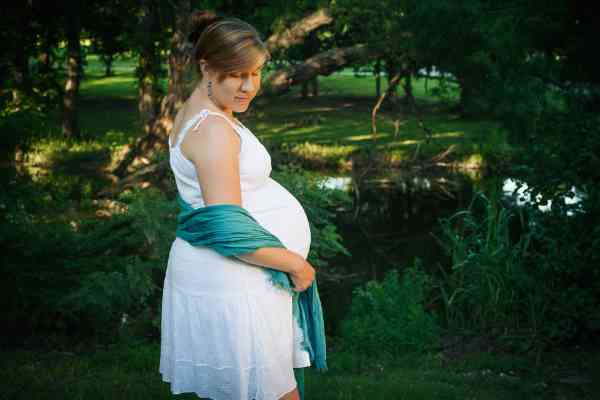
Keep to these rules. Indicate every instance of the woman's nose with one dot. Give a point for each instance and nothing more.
(247, 85)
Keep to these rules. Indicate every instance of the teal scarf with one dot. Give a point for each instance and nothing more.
(231, 230)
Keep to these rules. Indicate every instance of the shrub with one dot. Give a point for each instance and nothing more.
(522, 276)
(78, 275)
(389, 318)
(481, 290)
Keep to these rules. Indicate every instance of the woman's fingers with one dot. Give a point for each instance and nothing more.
(301, 285)
(303, 278)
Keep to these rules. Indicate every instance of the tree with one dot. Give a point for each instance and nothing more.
(17, 39)
(321, 64)
(179, 69)
(70, 125)
(110, 29)
(149, 64)
(178, 60)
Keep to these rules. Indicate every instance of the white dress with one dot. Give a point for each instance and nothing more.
(226, 332)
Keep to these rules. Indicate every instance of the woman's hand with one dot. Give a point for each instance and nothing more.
(302, 275)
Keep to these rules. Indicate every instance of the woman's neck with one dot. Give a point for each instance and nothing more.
(202, 99)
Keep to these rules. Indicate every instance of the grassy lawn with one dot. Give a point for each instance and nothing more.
(318, 132)
(338, 122)
(131, 372)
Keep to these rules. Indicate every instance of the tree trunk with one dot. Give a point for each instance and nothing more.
(407, 86)
(465, 94)
(305, 90)
(20, 77)
(156, 139)
(19, 43)
(107, 59)
(392, 70)
(70, 125)
(310, 88)
(314, 83)
(148, 67)
(393, 84)
(324, 63)
(377, 78)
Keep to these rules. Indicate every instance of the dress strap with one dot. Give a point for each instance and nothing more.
(206, 113)
(187, 126)
(194, 122)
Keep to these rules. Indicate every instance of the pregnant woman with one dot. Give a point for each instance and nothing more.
(228, 332)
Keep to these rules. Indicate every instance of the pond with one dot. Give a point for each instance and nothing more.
(393, 221)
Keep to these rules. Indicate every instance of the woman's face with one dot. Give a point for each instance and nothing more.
(235, 92)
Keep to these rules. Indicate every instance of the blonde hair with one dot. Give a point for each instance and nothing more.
(228, 45)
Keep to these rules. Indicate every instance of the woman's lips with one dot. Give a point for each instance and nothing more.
(242, 99)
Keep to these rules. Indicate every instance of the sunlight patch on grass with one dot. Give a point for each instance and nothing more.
(110, 81)
(318, 109)
(315, 150)
(360, 138)
(408, 142)
(454, 134)
(54, 154)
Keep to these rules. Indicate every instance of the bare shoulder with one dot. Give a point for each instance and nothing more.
(212, 138)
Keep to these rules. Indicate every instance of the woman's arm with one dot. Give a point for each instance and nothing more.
(214, 148)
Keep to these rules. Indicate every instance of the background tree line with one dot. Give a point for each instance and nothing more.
(528, 64)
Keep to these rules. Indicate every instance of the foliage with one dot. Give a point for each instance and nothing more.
(80, 275)
(389, 318)
(154, 217)
(485, 288)
(111, 31)
(524, 277)
(18, 130)
(98, 276)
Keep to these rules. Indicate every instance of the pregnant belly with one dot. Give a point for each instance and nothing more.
(278, 211)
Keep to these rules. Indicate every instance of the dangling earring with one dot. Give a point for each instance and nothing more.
(210, 89)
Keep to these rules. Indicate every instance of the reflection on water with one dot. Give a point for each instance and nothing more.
(337, 182)
(517, 191)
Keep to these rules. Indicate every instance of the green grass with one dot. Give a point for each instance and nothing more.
(346, 84)
(318, 132)
(131, 372)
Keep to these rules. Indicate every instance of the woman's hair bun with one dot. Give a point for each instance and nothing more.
(200, 20)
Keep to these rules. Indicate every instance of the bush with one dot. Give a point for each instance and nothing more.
(78, 275)
(389, 318)
(527, 278)
(482, 288)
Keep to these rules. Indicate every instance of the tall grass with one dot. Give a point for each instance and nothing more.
(485, 289)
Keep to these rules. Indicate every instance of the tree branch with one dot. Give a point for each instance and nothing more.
(323, 63)
(298, 31)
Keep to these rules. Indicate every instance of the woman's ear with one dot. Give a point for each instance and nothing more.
(204, 67)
